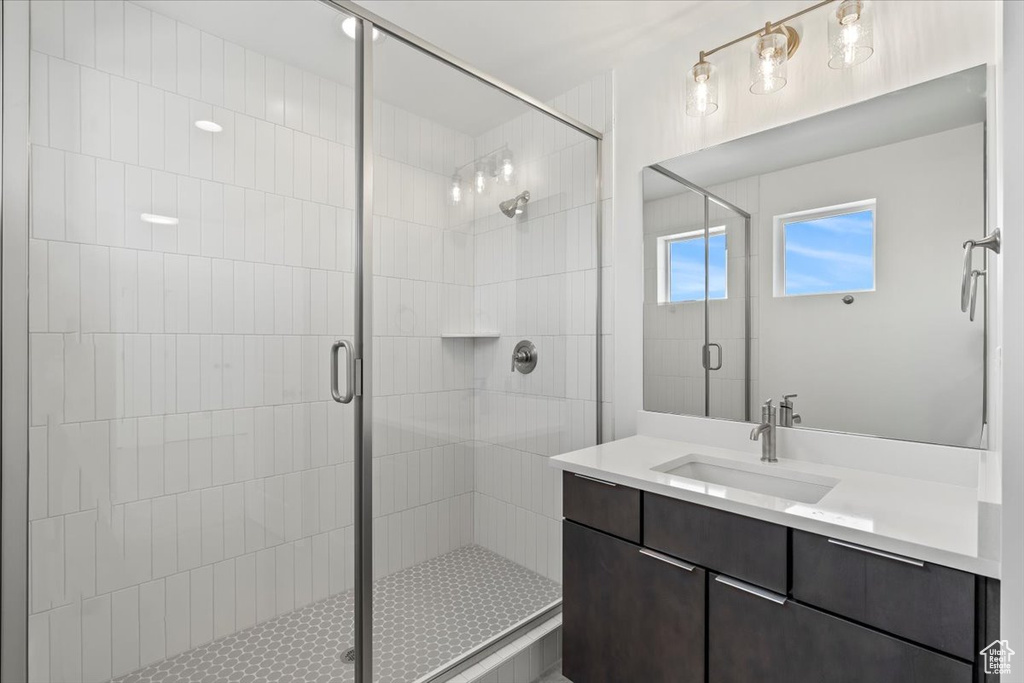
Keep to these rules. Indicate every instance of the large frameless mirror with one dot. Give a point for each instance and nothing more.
(851, 294)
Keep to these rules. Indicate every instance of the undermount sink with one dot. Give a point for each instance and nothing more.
(756, 478)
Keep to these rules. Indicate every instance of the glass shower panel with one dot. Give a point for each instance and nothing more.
(191, 262)
(728, 310)
(676, 248)
(484, 236)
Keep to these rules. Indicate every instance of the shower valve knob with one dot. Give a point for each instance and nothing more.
(524, 357)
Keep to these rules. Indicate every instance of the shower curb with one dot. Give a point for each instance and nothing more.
(524, 660)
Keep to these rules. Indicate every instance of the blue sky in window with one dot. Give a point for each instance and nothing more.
(828, 255)
(686, 258)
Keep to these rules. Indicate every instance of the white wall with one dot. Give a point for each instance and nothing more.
(1010, 215)
(651, 122)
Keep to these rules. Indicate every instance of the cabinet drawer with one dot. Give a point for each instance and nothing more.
(753, 638)
(749, 549)
(602, 505)
(629, 615)
(919, 601)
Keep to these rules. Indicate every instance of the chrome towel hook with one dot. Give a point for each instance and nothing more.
(969, 278)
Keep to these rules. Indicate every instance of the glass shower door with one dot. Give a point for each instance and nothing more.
(728, 306)
(676, 248)
(191, 263)
(484, 237)
(696, 300)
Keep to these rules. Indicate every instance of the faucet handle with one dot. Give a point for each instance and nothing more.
(787, 399)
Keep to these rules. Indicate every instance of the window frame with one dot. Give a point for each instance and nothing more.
(781, 221)
(665, 243)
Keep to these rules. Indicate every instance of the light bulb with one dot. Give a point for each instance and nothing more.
(480, 181)
(701, 90)
(701, 97)
(507, 168)
(455, 192)
(768, 62)
(850, 35)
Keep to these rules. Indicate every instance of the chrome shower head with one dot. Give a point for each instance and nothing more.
(514, 206)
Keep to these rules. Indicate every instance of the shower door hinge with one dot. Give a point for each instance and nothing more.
(359, 376)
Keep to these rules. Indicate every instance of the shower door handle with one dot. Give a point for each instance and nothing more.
(707, 357)
(350, 379)
(965, 279)
(975, 276)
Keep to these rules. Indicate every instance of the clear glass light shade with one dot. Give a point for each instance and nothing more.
(455, 190)
(506, 168)
(768, 63)
(479, 181)
(701, 90)
(850, 35)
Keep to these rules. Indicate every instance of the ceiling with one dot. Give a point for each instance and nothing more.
(931, 107)
(544, 47)
(541, 47)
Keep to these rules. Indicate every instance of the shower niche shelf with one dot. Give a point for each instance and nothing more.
(470, 335)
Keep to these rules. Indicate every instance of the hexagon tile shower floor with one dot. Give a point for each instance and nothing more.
(424, 616)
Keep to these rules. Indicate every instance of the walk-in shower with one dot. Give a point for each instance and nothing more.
(200, 506)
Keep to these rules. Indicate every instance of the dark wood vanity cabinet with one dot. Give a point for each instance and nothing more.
(629, 616)
(658, 589)
(752, 638)
(749, 549)
(602, 505)
(922, 602)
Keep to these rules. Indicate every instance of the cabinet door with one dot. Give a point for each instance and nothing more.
(629, 614)
(766, 638)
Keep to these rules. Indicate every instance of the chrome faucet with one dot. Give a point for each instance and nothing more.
(787, 418)
(766, 432)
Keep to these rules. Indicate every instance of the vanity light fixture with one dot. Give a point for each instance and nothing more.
(498, 166)
(157, 219)
(209, 126)
(850, 35)
(850, 42)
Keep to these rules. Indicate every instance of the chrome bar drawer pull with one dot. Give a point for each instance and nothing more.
(879, 553)
(753, 590)
(599, 481)
(667, 560)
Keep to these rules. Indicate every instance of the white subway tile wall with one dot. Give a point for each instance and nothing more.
(536, 278)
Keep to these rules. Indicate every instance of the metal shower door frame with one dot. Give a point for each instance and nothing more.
(709, 198)
(368, 22)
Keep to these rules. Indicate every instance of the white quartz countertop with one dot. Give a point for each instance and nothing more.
(934, 522)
